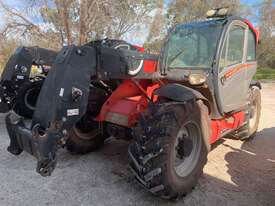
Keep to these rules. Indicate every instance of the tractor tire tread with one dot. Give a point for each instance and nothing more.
(148, 152)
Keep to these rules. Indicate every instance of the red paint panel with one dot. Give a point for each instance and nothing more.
(141, 49)
(219, 127)
(129, 108)
(150, 91)
(127, 102)
(236, 69)
(125, 89)
(256, 32)
(150, 66)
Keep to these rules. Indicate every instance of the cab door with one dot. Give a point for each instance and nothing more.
(232, 73)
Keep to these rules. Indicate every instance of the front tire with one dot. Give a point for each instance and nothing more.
(170, 148)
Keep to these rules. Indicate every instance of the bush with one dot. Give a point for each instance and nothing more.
(263, 73)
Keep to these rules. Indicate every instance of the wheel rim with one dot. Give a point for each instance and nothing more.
(187, 149)
(253, 114)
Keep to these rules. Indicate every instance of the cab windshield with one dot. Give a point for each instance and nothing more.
(193, 45)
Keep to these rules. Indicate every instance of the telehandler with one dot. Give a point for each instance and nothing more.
(172, 106)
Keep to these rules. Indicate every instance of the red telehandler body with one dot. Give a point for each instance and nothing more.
(172, 106)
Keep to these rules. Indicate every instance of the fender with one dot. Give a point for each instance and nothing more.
(255, 83)
(180, 93)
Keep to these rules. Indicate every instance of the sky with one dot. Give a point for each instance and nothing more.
(251, 2)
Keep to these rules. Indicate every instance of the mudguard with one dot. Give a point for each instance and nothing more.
(179, 93)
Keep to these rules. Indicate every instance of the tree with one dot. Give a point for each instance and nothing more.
(7, 47)
(266, 52)
(77, 21)
(181, 11)
(157, 29)
(55, 23)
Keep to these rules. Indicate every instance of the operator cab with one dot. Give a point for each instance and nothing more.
(216, 56)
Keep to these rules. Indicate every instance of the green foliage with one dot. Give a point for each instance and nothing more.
(154, 46)
(266, 50)
(181, 11)
(263, 73)
(75, 22)
(7, 48)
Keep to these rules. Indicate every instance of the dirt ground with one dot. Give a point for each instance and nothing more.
(237, 173)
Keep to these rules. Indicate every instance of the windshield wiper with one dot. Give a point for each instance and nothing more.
(176, 56)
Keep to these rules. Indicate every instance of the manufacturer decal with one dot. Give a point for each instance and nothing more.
(20, 77)
(61, 93)
(72, 112)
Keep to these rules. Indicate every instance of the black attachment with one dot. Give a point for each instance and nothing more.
(17, 72)
(37, 142)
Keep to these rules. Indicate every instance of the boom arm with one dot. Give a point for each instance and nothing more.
(64, 96)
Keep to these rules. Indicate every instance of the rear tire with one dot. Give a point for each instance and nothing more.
(249, 130)
(170, 148)
(27, 97)
(85, 138)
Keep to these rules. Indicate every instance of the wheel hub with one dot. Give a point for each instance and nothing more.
(252, 113)
(184, 147)
(187, 149)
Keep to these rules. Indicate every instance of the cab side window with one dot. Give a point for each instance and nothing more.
(223, 59)
(251, 47)
(233, 49)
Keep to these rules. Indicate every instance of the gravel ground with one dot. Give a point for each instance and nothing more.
(237, 173)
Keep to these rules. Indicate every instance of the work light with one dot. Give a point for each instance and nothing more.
(214, 13)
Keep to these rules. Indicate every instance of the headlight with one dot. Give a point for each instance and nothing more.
(197, 79)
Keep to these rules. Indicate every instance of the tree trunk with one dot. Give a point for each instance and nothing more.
(66, 24)
(63, 8)
(82, 29)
